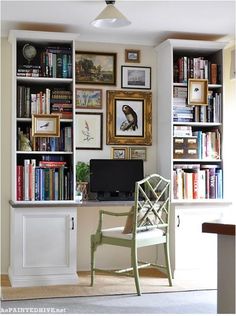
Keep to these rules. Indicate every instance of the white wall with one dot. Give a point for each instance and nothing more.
(148, 58)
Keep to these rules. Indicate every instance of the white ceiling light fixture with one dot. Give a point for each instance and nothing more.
(110, 17)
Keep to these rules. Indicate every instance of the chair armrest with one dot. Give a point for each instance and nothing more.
(102, 212)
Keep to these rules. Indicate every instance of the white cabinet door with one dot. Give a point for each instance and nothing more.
(43, 243)
(195, 252)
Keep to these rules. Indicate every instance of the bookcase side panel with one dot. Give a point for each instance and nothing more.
(164, 110)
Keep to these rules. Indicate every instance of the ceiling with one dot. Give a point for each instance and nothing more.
(152, 21)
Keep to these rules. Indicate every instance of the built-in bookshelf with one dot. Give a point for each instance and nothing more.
(42, 210)
(43, 84)
(190, 151)
(193, 134)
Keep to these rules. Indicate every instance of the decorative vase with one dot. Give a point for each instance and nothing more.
(83, 188)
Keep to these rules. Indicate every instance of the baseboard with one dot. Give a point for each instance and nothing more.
(41, 280)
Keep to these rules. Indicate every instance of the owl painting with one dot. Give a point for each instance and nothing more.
(131, 122)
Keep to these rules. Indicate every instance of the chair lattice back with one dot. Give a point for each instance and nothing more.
(152, 202)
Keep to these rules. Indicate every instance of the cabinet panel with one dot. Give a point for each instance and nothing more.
(46, 240)
(194, 249)
(43, 246)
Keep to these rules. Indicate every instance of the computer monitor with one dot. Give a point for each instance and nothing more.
(114, 179)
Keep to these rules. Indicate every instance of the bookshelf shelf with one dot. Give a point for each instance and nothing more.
(212, 124)
(198, 160)
(44, 80)
(43, 212)
(210, 85)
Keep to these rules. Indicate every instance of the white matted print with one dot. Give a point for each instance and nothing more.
(129, 117)
(88, 129)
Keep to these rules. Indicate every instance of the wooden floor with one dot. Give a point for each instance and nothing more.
(5, 280)
(145, 272)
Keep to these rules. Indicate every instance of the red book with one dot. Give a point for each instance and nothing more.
(19, 183)
(195, 185)
(214, 73)
(51, 164)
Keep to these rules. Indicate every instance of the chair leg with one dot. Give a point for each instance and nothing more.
(134, 261)
(167, 256)
(92, 249)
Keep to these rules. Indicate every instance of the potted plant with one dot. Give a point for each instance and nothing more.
(82, 177)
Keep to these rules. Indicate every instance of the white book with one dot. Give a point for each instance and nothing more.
(26, 179)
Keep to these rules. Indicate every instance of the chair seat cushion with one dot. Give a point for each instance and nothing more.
(117, 232)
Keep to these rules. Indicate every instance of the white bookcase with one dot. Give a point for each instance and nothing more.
(192, 253)
(43, 212)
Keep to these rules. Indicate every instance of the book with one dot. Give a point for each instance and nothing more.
(26, 179)
(213, 73)
(195, 184)
(19, 182)
(51, 164)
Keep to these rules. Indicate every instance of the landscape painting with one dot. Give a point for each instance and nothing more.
(95, 68)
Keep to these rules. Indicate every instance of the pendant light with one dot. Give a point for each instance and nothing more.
(110, 17)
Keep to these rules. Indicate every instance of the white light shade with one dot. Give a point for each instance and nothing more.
(110, 17)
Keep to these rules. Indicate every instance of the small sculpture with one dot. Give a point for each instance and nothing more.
(24, 143)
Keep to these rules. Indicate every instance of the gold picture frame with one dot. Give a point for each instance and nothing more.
(132, 55)
(129, 117)
(138, 153)
(197, 92)
(120, 153)
(45, 125)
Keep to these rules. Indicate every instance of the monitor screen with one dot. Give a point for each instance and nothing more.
(115, 179)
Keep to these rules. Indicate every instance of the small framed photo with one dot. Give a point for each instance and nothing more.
(132, 56)
(88, 130)
(135, 77)
(44, 125)
(129, 117)
(138, 153)
(95, 68)
(197, 91)
(120, 153)
(88, 98)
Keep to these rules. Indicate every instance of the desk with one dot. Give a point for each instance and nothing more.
(225, 229)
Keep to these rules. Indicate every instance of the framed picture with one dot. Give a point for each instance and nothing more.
(88, 98)
(119, 152)
(95, 68)
(132, 56)
(88, 130)
(135, 77)
(138, 153)
(197, 91)
(45, 125)
(129, 117)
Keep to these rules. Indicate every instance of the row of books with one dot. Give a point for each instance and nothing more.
(196, 67)
(208, 144)
(43, 102)
(197, 182)
(182, 112)
(62, 143)
(47, 181)
(54, 62)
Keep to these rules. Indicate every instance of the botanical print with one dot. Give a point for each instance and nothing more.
(88, 134)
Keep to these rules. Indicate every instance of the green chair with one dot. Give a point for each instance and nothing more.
(147, 224)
